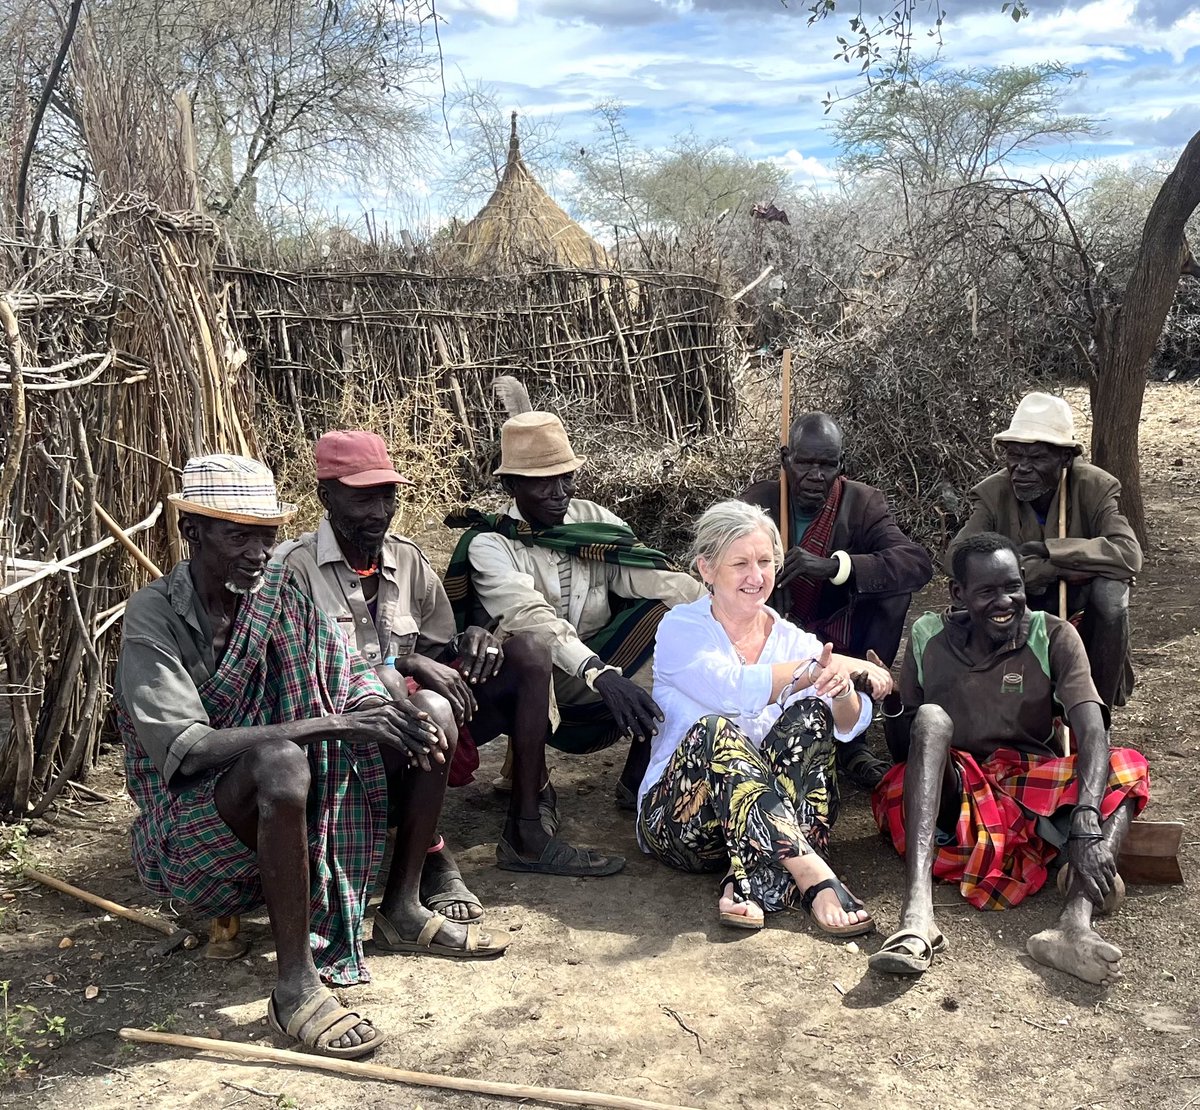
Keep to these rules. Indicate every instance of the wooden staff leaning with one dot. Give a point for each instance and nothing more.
(1064, 729)
(785, 418)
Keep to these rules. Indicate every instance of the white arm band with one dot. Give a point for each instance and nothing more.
(844, 569)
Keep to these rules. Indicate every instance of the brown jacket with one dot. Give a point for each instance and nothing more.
(1099, 540)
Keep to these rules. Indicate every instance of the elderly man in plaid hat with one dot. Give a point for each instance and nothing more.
(982, 794)
(1096, 555)
(258, 749)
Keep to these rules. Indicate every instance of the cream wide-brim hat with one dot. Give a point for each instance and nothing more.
(535, 445)
(231, 487)
(1041, 418)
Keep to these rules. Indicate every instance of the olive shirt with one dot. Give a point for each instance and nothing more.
(1099, 540)
(166, 656)
(411, 610)
(1005, 701)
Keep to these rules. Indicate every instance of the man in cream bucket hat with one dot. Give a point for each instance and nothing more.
(572, 573)
(256, 748)
(1096, 554)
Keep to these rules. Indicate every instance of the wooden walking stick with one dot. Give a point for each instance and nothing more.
(785, 420)
(1064, 731)
(174, 934)
(355, 1069)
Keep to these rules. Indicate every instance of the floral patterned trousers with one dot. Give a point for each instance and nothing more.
(724, 804)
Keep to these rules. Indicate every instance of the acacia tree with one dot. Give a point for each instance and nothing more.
(953, 126)
(293, 89)
(692, 184)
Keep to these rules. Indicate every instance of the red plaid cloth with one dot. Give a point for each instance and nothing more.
(998, 859)
(805, 592)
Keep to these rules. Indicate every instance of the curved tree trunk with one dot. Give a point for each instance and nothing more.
(1127, 333)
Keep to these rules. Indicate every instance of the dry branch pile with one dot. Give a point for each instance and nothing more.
(118, 364)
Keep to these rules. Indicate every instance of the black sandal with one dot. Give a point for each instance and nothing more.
(738, 920)
(848, 902)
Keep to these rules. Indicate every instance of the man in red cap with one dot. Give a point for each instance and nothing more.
(381, 591)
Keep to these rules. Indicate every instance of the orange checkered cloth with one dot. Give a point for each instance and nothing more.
(997, 857)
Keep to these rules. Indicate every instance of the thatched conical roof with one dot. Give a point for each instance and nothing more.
(521, 227)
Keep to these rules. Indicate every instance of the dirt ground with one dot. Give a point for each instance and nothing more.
(628, 985)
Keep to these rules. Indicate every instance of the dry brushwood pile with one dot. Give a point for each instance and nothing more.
(413, 356)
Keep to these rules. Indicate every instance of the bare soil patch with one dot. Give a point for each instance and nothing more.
(603, 976)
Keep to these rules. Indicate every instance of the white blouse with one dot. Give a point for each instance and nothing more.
(697, 671)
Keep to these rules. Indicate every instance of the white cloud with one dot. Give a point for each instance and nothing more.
(803, 168)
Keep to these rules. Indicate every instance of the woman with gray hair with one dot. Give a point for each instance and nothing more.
(741, 775)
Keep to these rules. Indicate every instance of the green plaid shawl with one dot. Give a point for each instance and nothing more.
(627, 641)
(285, 661)
(587, 539)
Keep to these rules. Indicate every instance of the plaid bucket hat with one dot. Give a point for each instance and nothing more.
(231, 487)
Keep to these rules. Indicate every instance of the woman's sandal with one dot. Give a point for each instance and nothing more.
(478, 946)
(1112, 903)
(314, 1030)
(739, 920)
(907, 952)
(848, 902)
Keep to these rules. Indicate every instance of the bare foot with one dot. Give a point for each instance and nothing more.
(1082, 952)
(748, 909)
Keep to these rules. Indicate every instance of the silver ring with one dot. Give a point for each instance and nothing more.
(492, 651)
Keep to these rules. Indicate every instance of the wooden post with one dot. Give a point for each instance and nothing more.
(785, 419)
(1064, 732)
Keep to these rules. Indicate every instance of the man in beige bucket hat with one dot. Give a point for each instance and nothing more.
(258, 747)
(572, 573)
(1096, 554)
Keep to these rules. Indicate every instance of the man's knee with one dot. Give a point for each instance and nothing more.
(438, 708)
(1108, 598)
(279, 772)
(932, 730)
(529, 655)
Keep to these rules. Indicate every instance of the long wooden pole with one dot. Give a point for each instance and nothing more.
(1064, 731)
(355, 1069)
(785, 420)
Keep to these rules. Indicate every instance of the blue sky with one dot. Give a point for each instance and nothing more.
(755, 74)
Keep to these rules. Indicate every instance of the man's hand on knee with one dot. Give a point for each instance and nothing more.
(634, 710)
(402, 726)
(448, 682)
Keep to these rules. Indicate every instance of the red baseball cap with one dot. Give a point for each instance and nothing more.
(357, 459)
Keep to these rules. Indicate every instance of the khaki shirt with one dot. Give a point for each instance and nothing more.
(520, 588)
(166, 656)
(412, 611)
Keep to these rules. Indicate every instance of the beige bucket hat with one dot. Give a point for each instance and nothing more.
(231, 487)
(1041, 418)
(535, 445)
